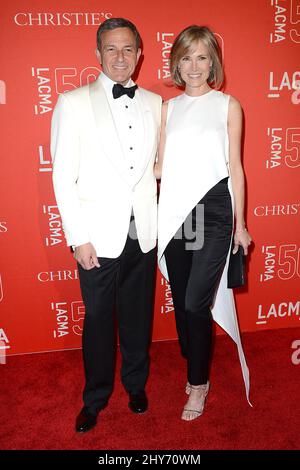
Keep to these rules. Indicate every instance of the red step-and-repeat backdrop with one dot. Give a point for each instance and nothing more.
(48, 48)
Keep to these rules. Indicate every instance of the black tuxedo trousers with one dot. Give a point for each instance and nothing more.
(119, 292)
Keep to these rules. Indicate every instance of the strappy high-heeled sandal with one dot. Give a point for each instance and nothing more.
(196, 413)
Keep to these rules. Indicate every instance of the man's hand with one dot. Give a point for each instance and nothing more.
(86, 256)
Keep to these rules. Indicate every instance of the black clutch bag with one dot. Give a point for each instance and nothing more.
(236, 268)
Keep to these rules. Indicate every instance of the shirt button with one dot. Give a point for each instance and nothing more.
(130, 127)
(126, 106)
(131, 148)
(131, 167)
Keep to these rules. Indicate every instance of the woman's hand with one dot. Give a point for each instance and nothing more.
(243, 238)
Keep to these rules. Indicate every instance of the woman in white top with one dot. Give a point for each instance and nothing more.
(202, 189)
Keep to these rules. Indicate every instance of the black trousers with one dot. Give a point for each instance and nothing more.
(194, 277)
(123, 285)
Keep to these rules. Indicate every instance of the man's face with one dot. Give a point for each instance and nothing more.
(118, 55)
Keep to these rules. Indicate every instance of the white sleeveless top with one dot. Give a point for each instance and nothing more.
(196, 158)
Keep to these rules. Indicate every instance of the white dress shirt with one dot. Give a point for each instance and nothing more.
(128, 120)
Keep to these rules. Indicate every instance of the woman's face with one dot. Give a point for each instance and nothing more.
(194, 67)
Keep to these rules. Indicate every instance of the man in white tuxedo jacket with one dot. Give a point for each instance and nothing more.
(103, 142)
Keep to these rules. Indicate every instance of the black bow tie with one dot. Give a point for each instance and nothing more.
(119, 90)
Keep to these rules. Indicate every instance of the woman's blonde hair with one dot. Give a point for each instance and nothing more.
(183, 43)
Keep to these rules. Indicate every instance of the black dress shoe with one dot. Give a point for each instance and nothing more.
(85, 421)
(138, 402)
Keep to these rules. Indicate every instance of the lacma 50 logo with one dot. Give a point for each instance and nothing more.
(285, 81)
(45, 159)
(59, 80)
(55, 233)
(284, 146)
(4, 342)
(277, 312)
(167, 305)
(68, 318)
(166, 42)
(280, 262)
(286, 24)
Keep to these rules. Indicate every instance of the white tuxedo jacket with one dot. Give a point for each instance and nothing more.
(94, 192)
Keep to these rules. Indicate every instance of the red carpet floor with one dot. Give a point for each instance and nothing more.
(41, 395)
